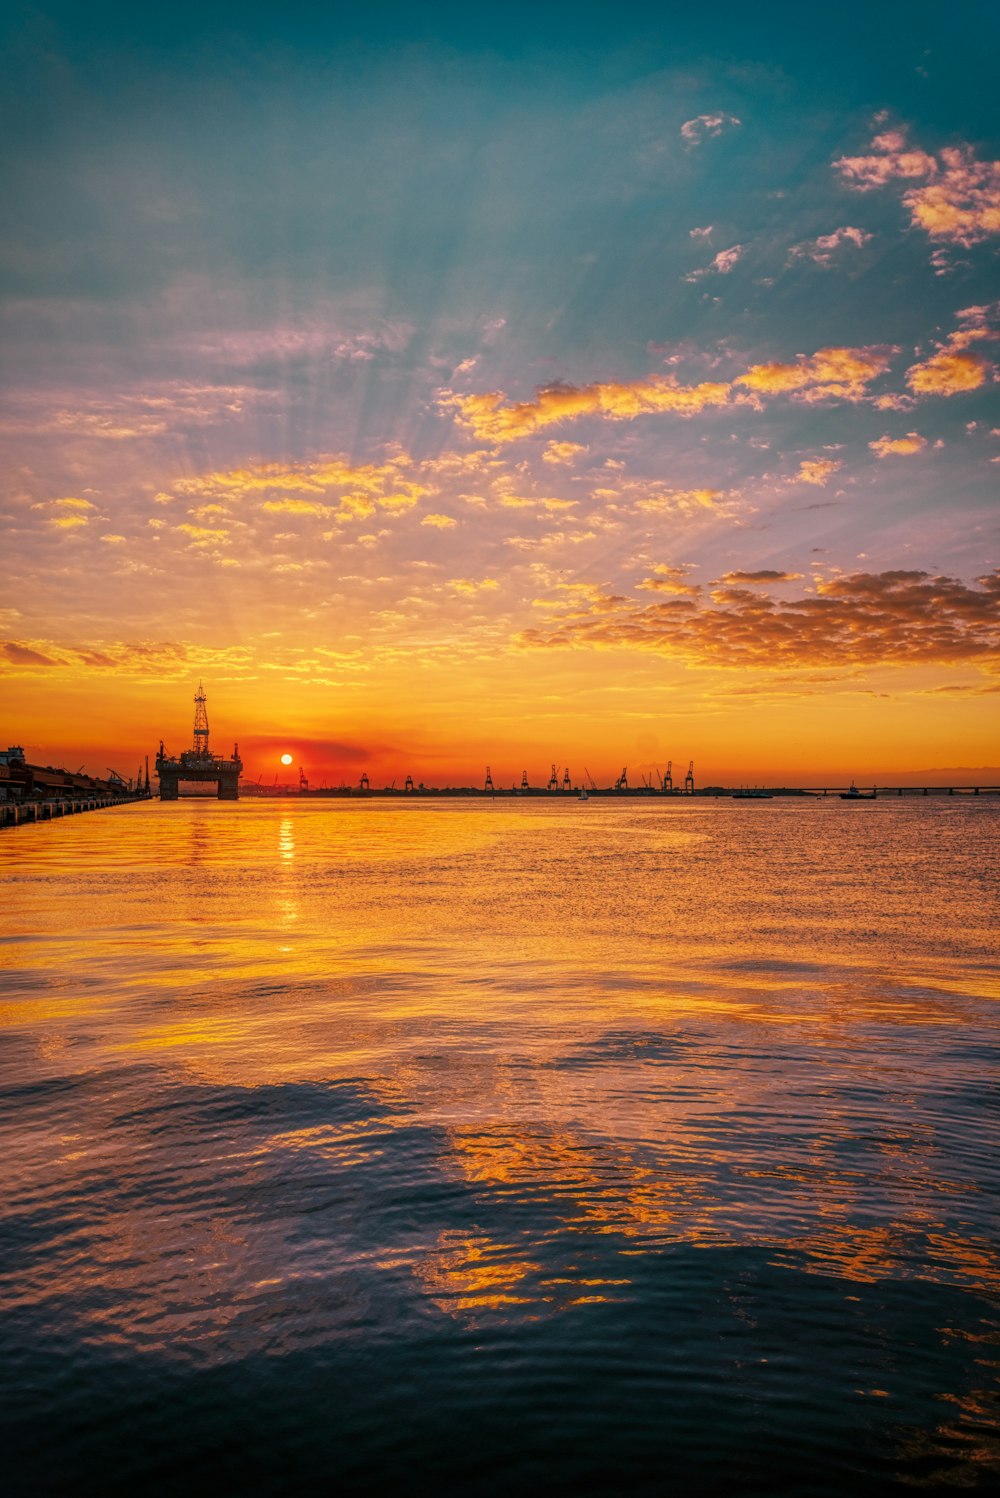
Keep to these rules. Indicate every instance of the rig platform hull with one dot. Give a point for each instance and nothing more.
(225, 773)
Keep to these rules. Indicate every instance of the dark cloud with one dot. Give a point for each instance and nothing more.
(23, 655)
(868, 619)
(765, 575)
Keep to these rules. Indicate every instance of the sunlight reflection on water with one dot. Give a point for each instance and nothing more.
(489, 1093)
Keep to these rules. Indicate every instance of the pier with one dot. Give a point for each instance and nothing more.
(17, 813)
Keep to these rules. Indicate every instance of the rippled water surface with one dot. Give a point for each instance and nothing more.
(501, 1147)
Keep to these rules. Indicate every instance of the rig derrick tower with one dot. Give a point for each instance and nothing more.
(199, 740)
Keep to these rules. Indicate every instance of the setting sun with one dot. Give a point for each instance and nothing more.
(286, 759)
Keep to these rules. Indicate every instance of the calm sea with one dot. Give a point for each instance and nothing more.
(501, 1148)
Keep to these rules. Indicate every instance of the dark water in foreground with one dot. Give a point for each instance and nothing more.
(501, 1147)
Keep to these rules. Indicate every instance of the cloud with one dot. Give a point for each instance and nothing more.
(281, 507)
(764, 576)
(705, 126)
(947, 374)
(22, 655)
(832, 373)
(659, 500)
(815, 471)
(563, 452)
(722, 264)
(887, 447)
(440, 522)
(953, 370)
(829, 374)
(851, 621)
(705, 233)
(959, 201)
(489, 418)
(668, 579)
(823, 250)
(891, 158)
(471, 586)
(344, 490)
(66, 514)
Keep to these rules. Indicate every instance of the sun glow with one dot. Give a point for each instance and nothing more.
(286, 759)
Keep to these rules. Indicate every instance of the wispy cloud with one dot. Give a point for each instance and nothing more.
(721, 265)
(705, 126)
(824, 250)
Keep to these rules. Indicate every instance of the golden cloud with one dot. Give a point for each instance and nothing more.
(563, 452)
(948, 373)
(488, 417)
(470, 586)
(387, 485)
(440, 522)
(887, 447)
(816, 471)
(959, 202)
(681, 501)
(831, 373)
(282, 507)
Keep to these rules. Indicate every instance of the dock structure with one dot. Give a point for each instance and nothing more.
(198, 764)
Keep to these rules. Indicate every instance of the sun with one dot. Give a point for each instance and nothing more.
(286, 759)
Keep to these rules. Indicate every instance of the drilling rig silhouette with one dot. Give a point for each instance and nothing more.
(198, 763)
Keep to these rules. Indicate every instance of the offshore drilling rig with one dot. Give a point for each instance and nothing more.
(198, 763)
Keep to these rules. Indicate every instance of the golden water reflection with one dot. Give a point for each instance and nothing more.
(659, 1028)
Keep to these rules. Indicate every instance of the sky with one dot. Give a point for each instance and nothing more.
(505, 385)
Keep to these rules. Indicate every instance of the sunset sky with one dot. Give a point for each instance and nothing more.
(449, 385)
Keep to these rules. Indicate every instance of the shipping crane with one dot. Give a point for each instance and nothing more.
(303, 782)
(621, 784)
(488, 786)
(567, 782)
(524, 780)
(553, 784)
(364, 784)
(409, 783)
(593, 782)
(689, 780)
(668, 779)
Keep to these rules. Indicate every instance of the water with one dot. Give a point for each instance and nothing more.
(498, 1147)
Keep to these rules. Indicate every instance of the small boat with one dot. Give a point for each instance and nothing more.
(751, 795)
(855, 795)
(583, 794)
